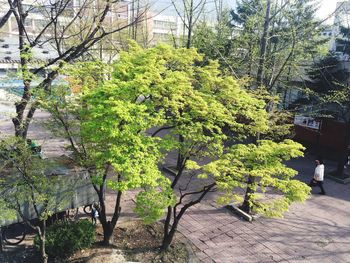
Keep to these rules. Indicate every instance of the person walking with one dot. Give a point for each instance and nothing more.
(318, 177)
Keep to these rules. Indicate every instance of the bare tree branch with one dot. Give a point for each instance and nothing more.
(7, 16)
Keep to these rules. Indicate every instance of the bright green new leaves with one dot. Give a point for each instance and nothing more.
(274, 187)
(169, 88)
(107, 128)
(114, 119)
(194, 99)
(7, 213)
(113, 129)
(86, 75)
(150, 202)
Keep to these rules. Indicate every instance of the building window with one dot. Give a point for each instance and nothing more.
(164, 24)
(161, 36)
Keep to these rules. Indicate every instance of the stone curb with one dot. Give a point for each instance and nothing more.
(169, 170)
(192, 258)
(240, 212)
(339, 180)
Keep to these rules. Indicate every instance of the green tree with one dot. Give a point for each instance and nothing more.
(326, 75)
(105, 122)
(275, 39)
(132, 118)
(264, 162)
(7, 213)
(215, 41)
(174, 84)
(26, 181)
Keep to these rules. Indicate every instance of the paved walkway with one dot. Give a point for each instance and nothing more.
(315, 231)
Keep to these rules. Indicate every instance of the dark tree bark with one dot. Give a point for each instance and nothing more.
(172, 219)
(190, 28)
(246, 206)
(108, 226)
(191, 13)
(263, 45)
(26, 107)
(8, 14)
(180, 157)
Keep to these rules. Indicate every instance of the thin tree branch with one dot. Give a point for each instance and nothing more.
(6, 17)
(161, 129)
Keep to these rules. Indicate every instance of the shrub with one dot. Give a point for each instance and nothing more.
(65, 238)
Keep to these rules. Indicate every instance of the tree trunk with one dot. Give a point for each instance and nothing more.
(190, 26)
(20, 123)
(107, 225)
(108, 237)
(21, 126)
(263, 45)
(246, 206)
(42, 235)
(168, 238)
(180, 157)
(169, 231)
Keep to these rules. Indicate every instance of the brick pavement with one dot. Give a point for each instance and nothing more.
(315, 231)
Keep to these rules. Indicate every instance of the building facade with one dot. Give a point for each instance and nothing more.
(76, 16)
(168, 29)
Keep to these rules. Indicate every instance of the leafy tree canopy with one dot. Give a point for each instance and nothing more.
(264, 162)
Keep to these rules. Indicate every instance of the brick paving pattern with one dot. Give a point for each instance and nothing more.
(315, 231)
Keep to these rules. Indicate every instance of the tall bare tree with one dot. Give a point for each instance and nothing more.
(189, 12)
(59, 29)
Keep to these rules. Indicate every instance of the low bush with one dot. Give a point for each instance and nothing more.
(65, 238)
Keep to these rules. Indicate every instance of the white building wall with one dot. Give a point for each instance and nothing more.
(164, 28)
